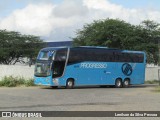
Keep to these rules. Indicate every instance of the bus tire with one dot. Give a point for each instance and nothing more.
(118, 83)
(54, 87)
(70, 84)
(126, 83)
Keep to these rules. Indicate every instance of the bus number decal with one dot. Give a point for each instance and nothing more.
(127, 69)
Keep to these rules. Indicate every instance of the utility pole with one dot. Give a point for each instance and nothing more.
(159, 59)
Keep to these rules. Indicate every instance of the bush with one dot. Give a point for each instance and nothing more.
(29, 82)
(10, 81)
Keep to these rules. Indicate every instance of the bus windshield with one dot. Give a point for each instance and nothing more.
(42, 69)
(45, 55)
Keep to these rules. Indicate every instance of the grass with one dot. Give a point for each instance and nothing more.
(157, 89)
(10, 81)
(152, 82)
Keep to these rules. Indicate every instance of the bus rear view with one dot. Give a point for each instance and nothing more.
(84, 66)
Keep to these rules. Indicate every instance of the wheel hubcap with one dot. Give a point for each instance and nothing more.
(126, 83)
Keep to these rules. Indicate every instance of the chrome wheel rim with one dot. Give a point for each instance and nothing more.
(126, 82)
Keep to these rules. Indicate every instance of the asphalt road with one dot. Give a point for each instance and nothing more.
(135, 98)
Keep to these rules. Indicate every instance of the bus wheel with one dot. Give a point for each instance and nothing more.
(70, 84)
(118, 83)
(126, 83)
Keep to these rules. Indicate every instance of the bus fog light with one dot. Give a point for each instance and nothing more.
(56, 81)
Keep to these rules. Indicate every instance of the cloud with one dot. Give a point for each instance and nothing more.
(108, 9)
(70, 8)
(34, 19)
(59, 21)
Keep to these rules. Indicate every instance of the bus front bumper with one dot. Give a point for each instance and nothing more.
(47, 81)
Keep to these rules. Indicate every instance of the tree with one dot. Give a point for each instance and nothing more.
(114, 33)
(15, 46)
(151, 35)
(107, 32)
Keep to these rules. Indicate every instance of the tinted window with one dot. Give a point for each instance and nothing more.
(103, 55)
(61, 55)
(129, 57)
(78, 55)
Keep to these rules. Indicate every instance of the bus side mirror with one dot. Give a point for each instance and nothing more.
(30, 62)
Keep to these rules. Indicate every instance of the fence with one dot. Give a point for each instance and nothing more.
(28, 72)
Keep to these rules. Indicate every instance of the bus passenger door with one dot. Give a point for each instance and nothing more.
(59, 63)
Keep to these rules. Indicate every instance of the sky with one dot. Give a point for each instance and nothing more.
(58, 20)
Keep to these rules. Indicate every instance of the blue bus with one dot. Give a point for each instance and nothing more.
(79, 66)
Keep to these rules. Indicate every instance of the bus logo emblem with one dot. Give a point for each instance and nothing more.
(127, 69)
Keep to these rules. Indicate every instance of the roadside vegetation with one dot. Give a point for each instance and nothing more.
(157, 88)
(152, 82)
(10, 81)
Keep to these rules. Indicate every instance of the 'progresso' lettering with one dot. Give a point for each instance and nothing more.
(93, 65)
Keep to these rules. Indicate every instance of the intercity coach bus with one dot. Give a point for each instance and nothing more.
(79, 66)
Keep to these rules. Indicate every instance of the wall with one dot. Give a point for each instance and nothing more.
(16, 70)
(28, 72)
(152, 73)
